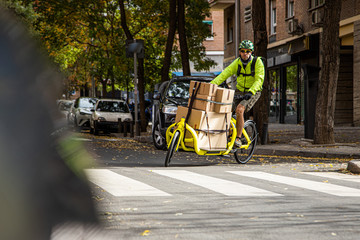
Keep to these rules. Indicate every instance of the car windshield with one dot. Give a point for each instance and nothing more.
(178, 90)
(108, 106)
(87, 102)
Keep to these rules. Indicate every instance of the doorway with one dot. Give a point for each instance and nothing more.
(284, 101)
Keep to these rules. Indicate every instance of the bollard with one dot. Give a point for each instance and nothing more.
(125, 126)
(131, 129)
(264, 134)
(120, 126)
(138, 126)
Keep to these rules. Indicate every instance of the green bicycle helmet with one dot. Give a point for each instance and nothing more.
(246, 44)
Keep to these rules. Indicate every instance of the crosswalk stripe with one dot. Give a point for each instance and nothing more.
(302, 183)
(121, 186)
(225, 187)
(334, 175)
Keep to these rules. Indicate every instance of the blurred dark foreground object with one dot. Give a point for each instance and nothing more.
(38, 189)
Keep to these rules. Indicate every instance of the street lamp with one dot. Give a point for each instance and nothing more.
(135, 49)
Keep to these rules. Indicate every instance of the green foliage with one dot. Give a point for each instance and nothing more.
(24, 11)
(86, 39)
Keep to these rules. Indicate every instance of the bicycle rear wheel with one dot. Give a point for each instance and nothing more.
(172, 147)
(243, 155)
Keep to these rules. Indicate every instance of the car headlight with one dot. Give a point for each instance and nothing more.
(169, 109)
(100, 119)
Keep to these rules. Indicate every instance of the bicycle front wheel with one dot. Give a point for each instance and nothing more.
(243, 155)
(173, 144)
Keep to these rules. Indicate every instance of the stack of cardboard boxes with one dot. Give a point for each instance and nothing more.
(210, 115)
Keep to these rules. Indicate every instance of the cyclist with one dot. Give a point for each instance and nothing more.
(250, 78)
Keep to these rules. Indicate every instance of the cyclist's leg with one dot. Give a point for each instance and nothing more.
(243, 107)
(240, 109)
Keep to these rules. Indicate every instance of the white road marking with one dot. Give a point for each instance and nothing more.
(121, 186)
(334, 175)
(225, 187)
(302, 183)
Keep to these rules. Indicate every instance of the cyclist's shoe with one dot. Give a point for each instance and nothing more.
(237, 142)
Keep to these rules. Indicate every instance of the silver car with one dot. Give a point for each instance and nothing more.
(106, 113)
(80, 112)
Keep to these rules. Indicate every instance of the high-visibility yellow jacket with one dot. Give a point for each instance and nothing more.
(245, 81)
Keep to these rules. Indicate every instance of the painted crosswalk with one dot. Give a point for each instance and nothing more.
(122, 186)
(225, 187)
(335, 175)
(323, 187)
(119, 185)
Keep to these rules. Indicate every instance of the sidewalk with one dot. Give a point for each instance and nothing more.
(288, 140)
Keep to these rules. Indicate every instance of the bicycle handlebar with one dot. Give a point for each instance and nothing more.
(239, 97)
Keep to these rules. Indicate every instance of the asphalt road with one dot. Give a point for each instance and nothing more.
(201, 197)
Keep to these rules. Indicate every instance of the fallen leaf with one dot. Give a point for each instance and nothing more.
(145, 233)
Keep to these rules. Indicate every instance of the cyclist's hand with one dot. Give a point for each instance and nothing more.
(248, 95)
(239, 97)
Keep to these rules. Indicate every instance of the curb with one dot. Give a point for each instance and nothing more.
(299, 153)
(354, 166)
(285, 150)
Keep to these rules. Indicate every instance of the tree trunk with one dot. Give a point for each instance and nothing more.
(330, 54)
(261, 108)
(170, 41)
(182, 38)
(141, 84)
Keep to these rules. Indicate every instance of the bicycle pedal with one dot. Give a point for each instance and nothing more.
(227, 156)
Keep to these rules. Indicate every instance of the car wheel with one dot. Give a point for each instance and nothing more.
(158, 139)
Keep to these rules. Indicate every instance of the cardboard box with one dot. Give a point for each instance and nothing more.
(202, 103)
(208, 89)
(224, 96)
(221, 108)
(213, 121)
(211, 141)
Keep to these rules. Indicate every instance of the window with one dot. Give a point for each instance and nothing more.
(289, 8)
(316, 3)
(210, 26)
(272, 18)
(230, 29)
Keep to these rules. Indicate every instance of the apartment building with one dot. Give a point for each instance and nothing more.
(215, 45)
(294, 57)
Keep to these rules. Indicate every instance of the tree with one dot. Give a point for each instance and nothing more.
(170, 41)
(141, 85)
(330, 53)
(261, 108)
(192, 32)
(182, 38)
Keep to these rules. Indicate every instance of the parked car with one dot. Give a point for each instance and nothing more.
(166, 99)
(64, 107)
(80, 112)
(106, 113)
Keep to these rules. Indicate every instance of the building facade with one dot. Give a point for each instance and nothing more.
(214, 45)
(294, 57)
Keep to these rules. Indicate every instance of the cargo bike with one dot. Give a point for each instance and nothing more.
(181, 135)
